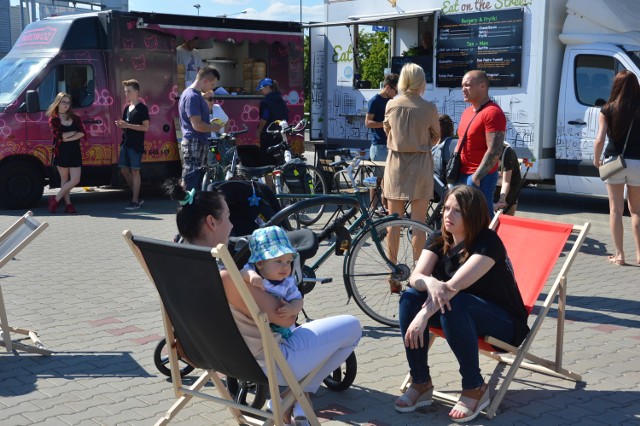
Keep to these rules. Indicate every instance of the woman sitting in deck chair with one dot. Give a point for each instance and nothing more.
(203, 219)
(463, 283)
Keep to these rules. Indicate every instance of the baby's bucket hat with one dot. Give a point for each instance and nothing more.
(269, 243)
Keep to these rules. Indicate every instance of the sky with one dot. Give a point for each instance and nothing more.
(271, 10)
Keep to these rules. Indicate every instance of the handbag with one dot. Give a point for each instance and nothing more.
(614, 164)
(453, 165)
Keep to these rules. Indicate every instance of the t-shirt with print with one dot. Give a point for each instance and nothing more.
(490, 119)
(192, 62)
(193, 104)
(497, 286)
(377, 106)
(131, 138)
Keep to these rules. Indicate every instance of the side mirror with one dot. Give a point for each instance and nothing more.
(32, 101)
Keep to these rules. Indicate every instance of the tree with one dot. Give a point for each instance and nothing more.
(373, 55)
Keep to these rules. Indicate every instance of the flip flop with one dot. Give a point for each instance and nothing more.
(619, 262)
(412, 400)
(481, 404)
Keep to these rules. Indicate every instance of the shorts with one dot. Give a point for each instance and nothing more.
(630, 175)
(378, 153)
(130, 158)
(194, 155)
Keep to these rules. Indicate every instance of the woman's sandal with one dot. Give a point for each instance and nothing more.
(619, 262)
(413, 399)
(481, 398)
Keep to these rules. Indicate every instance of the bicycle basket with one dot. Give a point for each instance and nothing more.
(298, 179)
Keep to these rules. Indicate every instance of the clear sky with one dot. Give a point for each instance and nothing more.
(281, 10)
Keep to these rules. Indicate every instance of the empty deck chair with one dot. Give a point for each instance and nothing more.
(12, 241)
(194, 306)
(534, 247)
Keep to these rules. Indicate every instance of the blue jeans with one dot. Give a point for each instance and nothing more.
(487, 186)
(130, 158)
(469, 318)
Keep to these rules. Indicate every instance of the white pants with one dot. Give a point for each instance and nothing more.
(332, 339)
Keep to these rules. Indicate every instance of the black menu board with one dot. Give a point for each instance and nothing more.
(488, 41)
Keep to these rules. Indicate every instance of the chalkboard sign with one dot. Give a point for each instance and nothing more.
(488, 41)
(425, 61)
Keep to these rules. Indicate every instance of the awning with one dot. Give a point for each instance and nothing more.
(229, 35)
(374, 19)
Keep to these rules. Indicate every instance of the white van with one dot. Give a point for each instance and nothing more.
(551, 65)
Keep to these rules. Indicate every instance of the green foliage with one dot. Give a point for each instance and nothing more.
(373, 56)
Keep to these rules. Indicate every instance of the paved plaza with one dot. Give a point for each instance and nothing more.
(79, 285)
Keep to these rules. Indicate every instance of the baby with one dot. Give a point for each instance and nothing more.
(269, 268)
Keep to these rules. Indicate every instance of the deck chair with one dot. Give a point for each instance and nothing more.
(194, 306)
(534, 248)
(12, 241)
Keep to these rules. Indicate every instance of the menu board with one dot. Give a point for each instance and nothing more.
(488, 41)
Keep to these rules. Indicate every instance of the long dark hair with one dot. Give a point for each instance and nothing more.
(623, 105)
(193, 212)
(473, 209)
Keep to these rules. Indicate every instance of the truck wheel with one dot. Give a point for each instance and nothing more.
(21, 185)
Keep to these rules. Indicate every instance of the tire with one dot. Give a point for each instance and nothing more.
(341, 378)
(248, 393)
(310, 216)
(366, 275)
(161, 360)
(21, 185)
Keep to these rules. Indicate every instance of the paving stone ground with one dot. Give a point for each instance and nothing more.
(80, 287)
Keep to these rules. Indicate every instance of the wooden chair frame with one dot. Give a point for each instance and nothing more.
(274, 358)
(12, 241)
(516, 356)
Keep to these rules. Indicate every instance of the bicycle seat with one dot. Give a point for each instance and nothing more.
(255, 172)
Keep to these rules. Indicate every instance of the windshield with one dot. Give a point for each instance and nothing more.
(15, 74)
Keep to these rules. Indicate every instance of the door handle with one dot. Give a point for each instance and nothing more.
(577, 122)
(98, 121)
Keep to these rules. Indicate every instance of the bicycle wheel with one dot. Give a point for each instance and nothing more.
(368, 277)
(248, 393)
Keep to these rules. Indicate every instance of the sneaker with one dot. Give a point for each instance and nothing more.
(133, 206)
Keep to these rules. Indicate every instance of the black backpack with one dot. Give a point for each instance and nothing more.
(441, 155)
(297, 179)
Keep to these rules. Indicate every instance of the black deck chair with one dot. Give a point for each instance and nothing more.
(194, 304)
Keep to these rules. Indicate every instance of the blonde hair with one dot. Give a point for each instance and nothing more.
(412, 79)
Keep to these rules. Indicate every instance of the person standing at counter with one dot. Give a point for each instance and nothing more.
(272, 108)
(196, 128)
(188, 55)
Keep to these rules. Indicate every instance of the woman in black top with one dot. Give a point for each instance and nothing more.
(67, 130)
(464, 283)
(620, 121)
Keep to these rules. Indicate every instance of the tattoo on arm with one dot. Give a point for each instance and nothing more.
(494, 150)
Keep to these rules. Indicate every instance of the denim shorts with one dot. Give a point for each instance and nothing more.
(378, 152)
(130, 158)
(630, 175)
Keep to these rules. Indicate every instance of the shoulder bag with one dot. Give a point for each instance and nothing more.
(453, 165)
(615, 164)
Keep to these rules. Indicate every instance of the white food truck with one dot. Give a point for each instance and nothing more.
(551, 65)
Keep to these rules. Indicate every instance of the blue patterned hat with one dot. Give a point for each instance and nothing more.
(269, 243)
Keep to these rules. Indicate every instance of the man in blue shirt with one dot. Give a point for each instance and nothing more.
(374, 119)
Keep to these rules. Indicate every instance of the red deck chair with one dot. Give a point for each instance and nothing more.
(534, 247)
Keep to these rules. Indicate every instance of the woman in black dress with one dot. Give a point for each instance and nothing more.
(67, 130)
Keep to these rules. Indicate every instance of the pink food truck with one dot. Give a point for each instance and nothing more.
(89, 55)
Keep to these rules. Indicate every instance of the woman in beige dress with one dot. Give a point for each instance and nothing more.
(412, 128)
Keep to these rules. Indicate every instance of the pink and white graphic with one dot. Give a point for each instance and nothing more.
(5, 130)
(98, 128)
(151, 43)
(139, 62)
(33, 118)
(174, 95)
(104, 97)
(127, 43)
(250, 113)
(39, 36)
(154, 110)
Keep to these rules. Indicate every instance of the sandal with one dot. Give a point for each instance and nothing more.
(413, 399)
(481, 398)
(615, 261)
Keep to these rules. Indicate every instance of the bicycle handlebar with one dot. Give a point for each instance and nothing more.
(285, 128)
(230, 135)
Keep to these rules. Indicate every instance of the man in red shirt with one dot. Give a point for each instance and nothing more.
(485, 125)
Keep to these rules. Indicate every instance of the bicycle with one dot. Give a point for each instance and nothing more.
(218, 166)
(292, 175)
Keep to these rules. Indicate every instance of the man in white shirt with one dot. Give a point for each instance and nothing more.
(188, 55)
